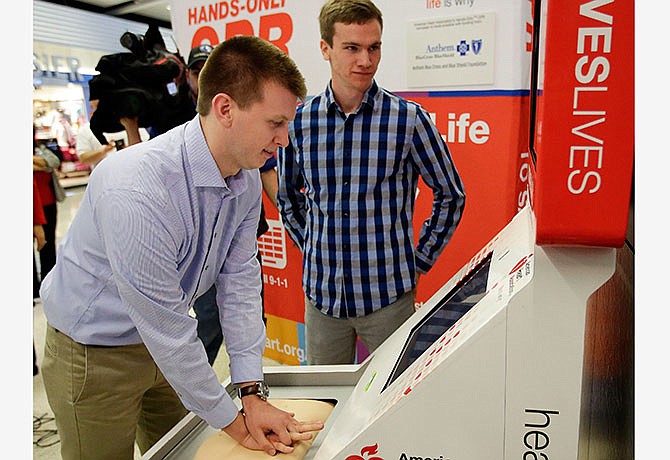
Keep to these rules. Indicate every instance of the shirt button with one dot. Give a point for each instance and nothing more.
(206, 267)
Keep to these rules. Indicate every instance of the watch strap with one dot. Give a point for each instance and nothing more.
(259, 389)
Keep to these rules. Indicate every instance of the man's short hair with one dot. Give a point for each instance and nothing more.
(240, 66)
(346, 12)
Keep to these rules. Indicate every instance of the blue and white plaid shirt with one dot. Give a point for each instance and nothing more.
(347, 184)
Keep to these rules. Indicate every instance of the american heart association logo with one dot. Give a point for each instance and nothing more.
(365, 454)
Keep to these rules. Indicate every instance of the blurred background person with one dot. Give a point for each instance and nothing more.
(89, 149)
(39, 240)
(92, 151)
(62, 131)
(196, 60)
(50, 191)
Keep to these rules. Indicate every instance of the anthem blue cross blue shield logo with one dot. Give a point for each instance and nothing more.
(476, 46)
(463, 48)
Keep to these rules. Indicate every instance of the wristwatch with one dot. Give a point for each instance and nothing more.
(259, 389)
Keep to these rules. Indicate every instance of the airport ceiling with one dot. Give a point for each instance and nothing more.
(146, 11)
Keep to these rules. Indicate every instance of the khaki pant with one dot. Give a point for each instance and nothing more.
(105, 398)
(331, 340)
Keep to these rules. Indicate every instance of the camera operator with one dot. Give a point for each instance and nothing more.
(89, 148)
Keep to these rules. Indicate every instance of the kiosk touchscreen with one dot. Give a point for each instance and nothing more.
(442, 317)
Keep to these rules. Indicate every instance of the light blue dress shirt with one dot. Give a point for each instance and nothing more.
(157, 226)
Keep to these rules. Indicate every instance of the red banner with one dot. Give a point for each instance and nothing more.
(585, 123)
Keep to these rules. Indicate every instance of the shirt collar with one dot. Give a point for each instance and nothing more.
(369, 98)
(204, 170)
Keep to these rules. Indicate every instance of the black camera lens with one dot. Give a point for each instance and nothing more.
(133, 42)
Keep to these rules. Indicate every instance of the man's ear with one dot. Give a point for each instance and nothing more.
(223, 108)
(324, 50)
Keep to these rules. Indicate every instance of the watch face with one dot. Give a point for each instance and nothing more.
(263, 391)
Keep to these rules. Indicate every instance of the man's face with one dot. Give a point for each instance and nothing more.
(192, 75)
(355, 55)
(262, 127)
